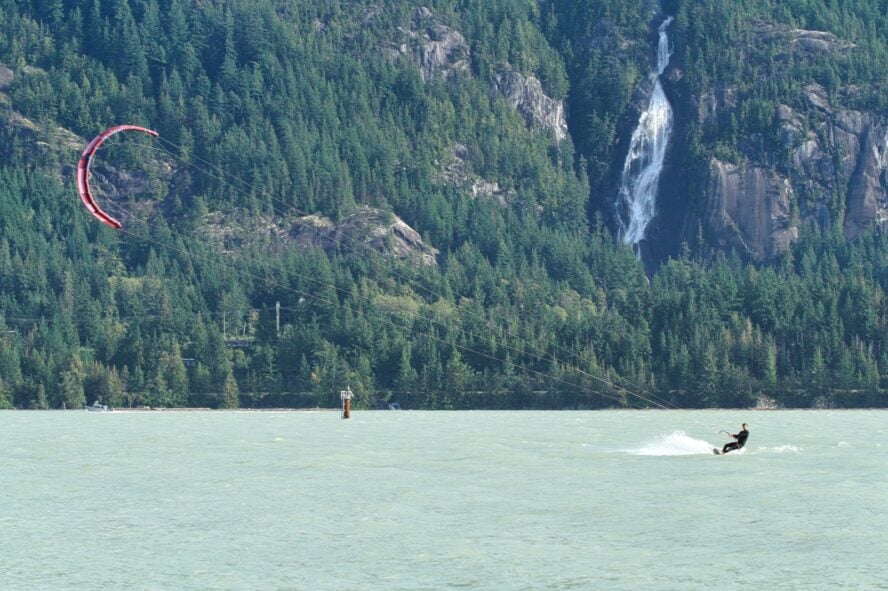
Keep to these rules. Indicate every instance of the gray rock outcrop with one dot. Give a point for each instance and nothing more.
(438, 51)
(842, 152)
(834, 170)
(6, 77)
(801, 43)
(441, 52)
(456, 170)
(819, 160)
(748, 208)
(366, 227)
(525, 94)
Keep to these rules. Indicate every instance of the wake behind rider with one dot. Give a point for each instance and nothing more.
(741, 438)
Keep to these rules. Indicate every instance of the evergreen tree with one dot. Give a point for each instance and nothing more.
(71, 391)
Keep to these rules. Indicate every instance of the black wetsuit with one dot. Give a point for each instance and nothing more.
(741, 438)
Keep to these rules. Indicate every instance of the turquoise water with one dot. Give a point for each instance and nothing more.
(442, 500)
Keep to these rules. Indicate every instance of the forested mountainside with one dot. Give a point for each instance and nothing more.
(422, 203)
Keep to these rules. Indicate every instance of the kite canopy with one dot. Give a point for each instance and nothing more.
(83, 171)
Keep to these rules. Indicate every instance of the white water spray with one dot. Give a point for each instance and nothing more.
(677, 443)
(636, 203)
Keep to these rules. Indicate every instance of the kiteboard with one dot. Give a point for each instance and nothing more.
(716, 451)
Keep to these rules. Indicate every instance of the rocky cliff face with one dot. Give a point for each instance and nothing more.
(456, 170)
(439, 51)
(824, 163)
(6, 77)
(835, 172)
(365, 228)
(748, 209)
(526, 95)
(796, 44)
(842, 152)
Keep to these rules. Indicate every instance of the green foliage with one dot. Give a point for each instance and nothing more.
(306, 109)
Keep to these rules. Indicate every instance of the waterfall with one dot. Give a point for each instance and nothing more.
(636, 203)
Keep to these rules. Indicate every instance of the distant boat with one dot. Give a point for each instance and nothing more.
(394, 406)
(96, 407)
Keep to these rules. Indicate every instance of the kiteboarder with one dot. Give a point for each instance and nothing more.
(741, 438)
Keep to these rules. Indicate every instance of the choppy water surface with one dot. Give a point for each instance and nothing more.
(445, 500)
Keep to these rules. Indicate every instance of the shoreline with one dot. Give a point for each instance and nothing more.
(147, 409)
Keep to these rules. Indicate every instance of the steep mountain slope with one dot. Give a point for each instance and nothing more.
(781, 116)
(417, 201)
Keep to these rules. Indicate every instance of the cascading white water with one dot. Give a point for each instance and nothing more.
(636, 203)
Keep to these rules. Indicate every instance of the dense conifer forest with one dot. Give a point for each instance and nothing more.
(270, 111)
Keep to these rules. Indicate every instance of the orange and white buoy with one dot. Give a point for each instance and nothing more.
(346, 397)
